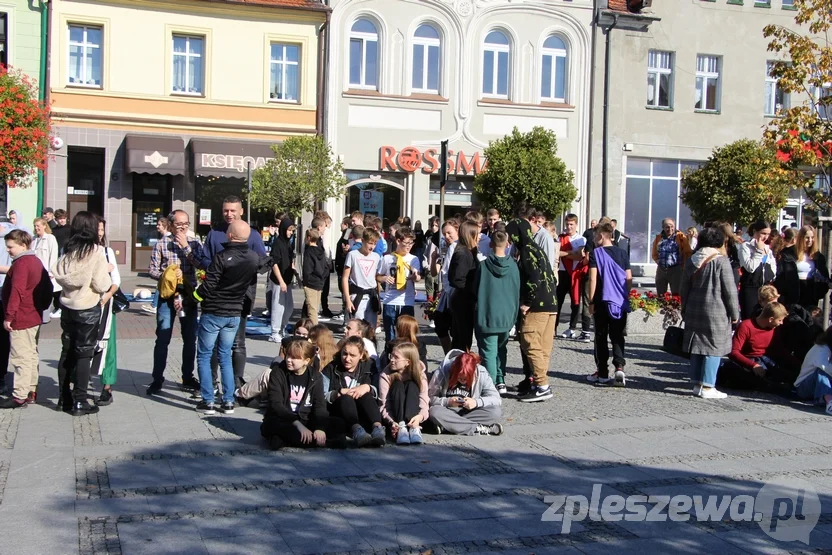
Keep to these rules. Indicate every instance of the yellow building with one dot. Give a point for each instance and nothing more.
(165, 105)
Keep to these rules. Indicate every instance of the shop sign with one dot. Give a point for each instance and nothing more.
(411, 159)
(372, 202)
(231, 162)
(204, 216)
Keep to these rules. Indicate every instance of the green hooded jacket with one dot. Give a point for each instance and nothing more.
(498, 294)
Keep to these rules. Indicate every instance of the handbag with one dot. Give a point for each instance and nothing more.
(673, 343)
(120, 302)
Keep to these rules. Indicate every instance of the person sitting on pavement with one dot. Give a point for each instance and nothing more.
(403, 394)
(758, 358)
(297, 414)
(814, 383)
(350, 395)
(463, 399)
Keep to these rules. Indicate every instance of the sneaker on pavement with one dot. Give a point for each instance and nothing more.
(338, 318)
(106, 398)
(415, 435)
(32, 398)
(206, 408)
(326, 313)
(361, 437)
(150, 309)
(190, 383)
(322, 318)
(275, 443)
(275, 339)
(13, 403)
(265, 313)
(377, 436)
(502, 389)
(829, 408)
(537, 393)
(585, 337)
(81, 409)
(620, 378)
(56, 314)
(154, 388)
(598, 380)
(697, 389)
(524, 386)
(432, 324)
(490, 430)
(403, 435)
(570, 334)
(712, 393)
(227, 408)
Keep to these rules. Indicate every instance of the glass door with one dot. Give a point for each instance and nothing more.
(151, 200)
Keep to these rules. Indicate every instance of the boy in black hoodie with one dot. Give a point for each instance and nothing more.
(315, 272)
(538, 309)
(296, 414)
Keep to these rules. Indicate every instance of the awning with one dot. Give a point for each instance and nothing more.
(154, 154)
(228, 158)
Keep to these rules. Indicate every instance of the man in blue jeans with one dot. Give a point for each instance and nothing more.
(398, 273)
(222, 294)
(175, 248)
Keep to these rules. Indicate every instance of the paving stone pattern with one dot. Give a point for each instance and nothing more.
(150, 475)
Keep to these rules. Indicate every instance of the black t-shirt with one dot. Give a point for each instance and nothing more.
(297, 389)
(459, 390)
(619, 256)
(589, 235)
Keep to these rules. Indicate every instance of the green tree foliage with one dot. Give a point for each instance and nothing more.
(302, 173)
(525, 167)
(740, 183)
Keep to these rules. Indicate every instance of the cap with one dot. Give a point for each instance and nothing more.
(47, 210)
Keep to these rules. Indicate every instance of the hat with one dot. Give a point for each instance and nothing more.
(47, 210)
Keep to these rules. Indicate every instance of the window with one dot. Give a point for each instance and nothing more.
(788, 4)
(659, 79)
(707, 83)
(652, 194)
(364, 55)
(776, 98)
(85, 56)
(188, 65)
(823, 98)
(495, 65)
(4, 38)
(553, 70)
(426, 45)
(284, 72)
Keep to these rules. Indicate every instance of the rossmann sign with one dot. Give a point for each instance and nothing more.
(411, 159)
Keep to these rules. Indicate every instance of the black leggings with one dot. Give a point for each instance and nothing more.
(403, 400)
(363, 411)
(288, 432)
(78, 339)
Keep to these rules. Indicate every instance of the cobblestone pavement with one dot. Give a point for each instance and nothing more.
(149, 475)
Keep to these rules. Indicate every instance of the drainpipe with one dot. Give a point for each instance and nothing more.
(605, 146)
(594, 49)
(43, 86)
(323, 42)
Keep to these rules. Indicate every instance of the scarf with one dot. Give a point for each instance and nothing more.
(403, 269)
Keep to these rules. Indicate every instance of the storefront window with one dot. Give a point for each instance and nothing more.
(652, 194)
(380, 194)
(459, 196)
(211, 191)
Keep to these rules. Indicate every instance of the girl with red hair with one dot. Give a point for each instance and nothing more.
(463, 399)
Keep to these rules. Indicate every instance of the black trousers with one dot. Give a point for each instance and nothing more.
(748, 300)
(608, 328)
(238, 350)
(78, 338)
(363, 411)
(332, 427)
(325, 294)
(56, 300)
(403, 400)
(462, 325)
(565, 288)
(5, 345)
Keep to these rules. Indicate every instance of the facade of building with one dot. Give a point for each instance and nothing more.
(165, 105)
(20, 48)
(679, 86)
(405, 75)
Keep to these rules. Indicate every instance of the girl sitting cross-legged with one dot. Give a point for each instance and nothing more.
(349, 394)
(403, 393)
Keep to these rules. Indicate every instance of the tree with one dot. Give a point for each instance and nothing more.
(302, 173)
(525, 167)
(802, 134)
(740, 183)
(24, 128)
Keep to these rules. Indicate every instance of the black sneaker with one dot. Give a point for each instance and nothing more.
(524, 387)
(80, 409)
(12, 403)
(501, 389)
(275, 443)
(327, 313)
(206, 408)
(227, 408)
(537, 394)
(190, 383)
(106, 398)
(154, 388)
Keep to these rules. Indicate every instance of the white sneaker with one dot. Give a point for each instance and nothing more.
(432, 324)
(338, 318)
(596, 379)
(149, 309)
(513, 333)
(415, 435)
(620, 379)
(570, 334)
(403, 437)
(501, 389)
(265, 313)
(275, 339)
(57, 314)
(712, 393)
(379, 330)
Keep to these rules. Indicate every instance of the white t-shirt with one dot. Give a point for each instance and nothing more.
(484, 246)
(391, 295)
(805, 267)
(363, 269)
(578, 241)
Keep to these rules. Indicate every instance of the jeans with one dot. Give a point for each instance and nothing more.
(219, 331)
(493, 353)
(703, 369)
(814, 387)
(389, 315)
(155, 299)
(165, 314)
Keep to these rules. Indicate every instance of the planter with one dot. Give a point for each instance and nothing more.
(642, 323)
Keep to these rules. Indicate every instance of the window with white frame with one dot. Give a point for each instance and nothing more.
(651, 195)
(85, 56)
(426, 49)
(707, 83)
(364, 55)
(496, 54)
(776, 98)
(554, 67)
(188, 64)
(285, 66)
(659, 79)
